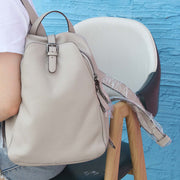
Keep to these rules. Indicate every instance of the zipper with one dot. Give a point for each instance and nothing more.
(104, 102)
(98, 88)
(90, 62)
(101, 103)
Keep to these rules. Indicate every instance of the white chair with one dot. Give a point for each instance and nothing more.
(124, 49)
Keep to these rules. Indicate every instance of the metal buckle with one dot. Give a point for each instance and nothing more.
(52, 45)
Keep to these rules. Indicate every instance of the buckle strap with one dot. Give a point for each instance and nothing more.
(52, 52)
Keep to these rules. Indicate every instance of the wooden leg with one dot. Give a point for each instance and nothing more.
(113, 155)
(136, 147)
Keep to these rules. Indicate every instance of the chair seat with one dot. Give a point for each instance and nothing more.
(94, 169)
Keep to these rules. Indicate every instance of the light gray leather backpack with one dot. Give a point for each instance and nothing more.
(62, 117)
(64, 114)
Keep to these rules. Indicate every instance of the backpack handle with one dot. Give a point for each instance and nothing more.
(36, 24)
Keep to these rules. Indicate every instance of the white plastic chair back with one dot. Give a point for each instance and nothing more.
(123, 48)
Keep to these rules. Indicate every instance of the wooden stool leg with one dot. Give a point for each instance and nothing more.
(136, 147)
(113, 155)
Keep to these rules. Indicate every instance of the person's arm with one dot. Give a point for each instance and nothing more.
(10, 84)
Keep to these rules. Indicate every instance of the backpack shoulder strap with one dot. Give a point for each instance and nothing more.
(33, 16)
(145, 118)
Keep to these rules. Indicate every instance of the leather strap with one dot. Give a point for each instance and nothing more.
(36, 24)
(145, 118)
(52, 52)
(33, 16)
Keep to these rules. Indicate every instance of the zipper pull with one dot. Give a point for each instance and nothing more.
(99, 88)
(103, 104)
(103, 99)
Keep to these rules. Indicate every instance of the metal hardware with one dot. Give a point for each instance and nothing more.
(99, 89)
(89, 59)
(52, 45)
(101, 105)
(52, 52)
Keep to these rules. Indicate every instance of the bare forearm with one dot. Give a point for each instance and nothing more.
(10, 97)
(4, 115)
(9, 104)
(6, 112)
